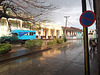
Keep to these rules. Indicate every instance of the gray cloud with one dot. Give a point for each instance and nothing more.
(72, 8)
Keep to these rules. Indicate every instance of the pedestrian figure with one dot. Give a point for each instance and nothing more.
(92, 45)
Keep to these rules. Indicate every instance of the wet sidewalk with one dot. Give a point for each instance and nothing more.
(19, 52)
(93, 63)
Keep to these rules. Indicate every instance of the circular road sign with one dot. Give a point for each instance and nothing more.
(87, 18)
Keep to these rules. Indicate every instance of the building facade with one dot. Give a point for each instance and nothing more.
(46, 30)
(49, 31)
(72, 32)
(14, 24)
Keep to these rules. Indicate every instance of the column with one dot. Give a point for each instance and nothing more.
(49, 32)
(20, 24)
(55, 33)
(46, 34)
(65, 32)
(7, 27)
(41, 32)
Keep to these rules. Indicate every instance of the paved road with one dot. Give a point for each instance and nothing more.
(67, 60)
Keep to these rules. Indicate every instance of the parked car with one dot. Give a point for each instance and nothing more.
(9, 39)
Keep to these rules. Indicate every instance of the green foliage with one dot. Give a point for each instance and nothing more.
(10, 38)
(50, 43)
(5, 48)
(59, 41)
(65, 39)
(33, 43)
(28, 44)
(55, 41)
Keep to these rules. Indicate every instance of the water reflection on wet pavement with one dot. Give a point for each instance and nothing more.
(68, 60)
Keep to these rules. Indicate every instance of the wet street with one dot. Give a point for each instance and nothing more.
(68, 60)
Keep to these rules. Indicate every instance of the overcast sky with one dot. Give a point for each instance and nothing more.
(70, 8)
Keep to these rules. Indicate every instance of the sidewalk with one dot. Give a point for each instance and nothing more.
(93, 64)
(17, 52)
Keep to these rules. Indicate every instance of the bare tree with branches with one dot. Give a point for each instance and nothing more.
(27, 10)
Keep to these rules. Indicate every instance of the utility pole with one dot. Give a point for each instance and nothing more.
(97, 12)
(66, 23)
(86, 49)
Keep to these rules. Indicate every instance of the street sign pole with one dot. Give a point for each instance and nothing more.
(86, 49)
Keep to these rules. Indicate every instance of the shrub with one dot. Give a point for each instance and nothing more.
(59, 41)
(64, 38)
(55, 41)
(28, 44)
(50, 43)
(33, 43)
(5, 48)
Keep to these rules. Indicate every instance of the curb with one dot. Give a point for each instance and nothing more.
(16, 57)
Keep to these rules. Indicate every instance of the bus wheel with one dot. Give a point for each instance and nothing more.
(22, 42)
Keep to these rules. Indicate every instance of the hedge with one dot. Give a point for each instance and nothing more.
(33, 43)
(65, 39)
(5, 48)
(55, 41)
(50, 43)
(59, 41)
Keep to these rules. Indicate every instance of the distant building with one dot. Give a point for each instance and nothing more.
(72, 32)
(49, 31)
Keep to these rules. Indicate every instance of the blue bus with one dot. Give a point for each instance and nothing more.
(19, 36)
(24, 34)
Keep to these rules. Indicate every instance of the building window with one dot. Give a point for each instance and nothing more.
(2, 23)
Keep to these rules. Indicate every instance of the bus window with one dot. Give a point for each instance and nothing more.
(26, 34)
(31, 33)
(34, 33)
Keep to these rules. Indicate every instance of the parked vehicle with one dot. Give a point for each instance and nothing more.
(19, 35)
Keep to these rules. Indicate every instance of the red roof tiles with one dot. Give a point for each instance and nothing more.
(72, 29)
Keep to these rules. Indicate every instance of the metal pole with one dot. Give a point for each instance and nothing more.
(86, 49)
(66, 23)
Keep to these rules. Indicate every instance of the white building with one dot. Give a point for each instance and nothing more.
(46, 31)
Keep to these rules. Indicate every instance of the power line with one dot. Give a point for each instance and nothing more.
(71, 23)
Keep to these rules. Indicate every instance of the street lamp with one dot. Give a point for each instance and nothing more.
(66, 23)
(66, 20)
